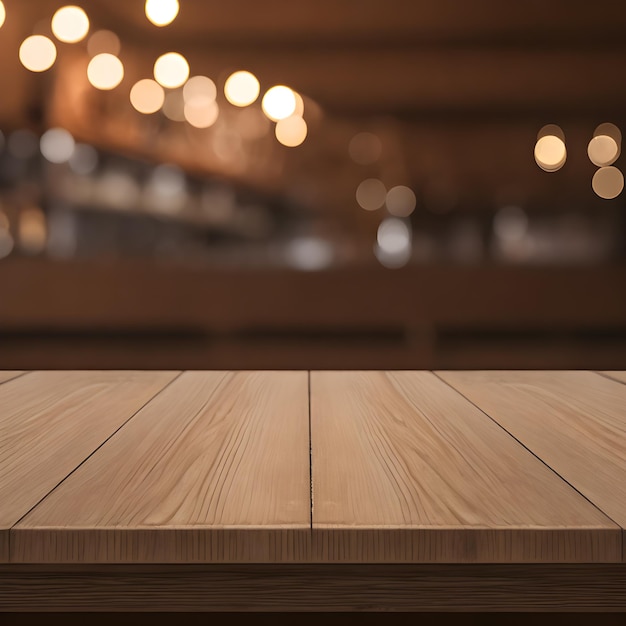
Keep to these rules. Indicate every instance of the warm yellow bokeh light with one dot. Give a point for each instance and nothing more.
(550, 153)
(104, 41)
(38, 53)
(147, 96)
(608, 182)
(162, 12)
(171, 70)
(200, 89)
(242, 88)
(105, 71)
(201, 114)
(291, 131)
(70, 24)
(603, 150)
(3, 14)
(279, 102)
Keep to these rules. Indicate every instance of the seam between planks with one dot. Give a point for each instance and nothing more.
(143, 406)
(613, 380)
(10, 380)
(619, 526)
(310, 457)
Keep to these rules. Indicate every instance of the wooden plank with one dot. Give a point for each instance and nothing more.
(317, 587)
(6, 376)
(405, 469)
(51, 421)
(214, 469)
(618, 376)
(574, 421)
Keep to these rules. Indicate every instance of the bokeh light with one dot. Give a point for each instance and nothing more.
(550, 153)
(394, 236)
(610, 130)
(118, 189)
(105, 71)
(242, 88)
(365, 148)
(38, 53)
(171, 70)
(608, 182)
(401, 201)
(57, 145)
(166, 190)
(279, 102)
(291, 131)
(603, 150)
(393, 260)
(201, 114)
(162, 12)
(199, 90)
(32, 230)
(147, 96)
(104, 41)
(510, 223)
(299, 110)
(84, 160)
(70, 24)
(371, 194)
(174, 106)
(3, 14)
(310, 253)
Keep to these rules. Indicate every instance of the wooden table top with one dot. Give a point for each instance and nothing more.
(312, 467)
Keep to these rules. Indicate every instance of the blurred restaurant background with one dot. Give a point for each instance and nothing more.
(313, 184)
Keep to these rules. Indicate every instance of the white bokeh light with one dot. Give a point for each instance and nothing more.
(57, 145)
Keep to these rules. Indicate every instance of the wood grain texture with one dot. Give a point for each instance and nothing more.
(618, 376)
(215, 469)
(574, 421)
(312, 587)
(7, 375)
(405, 469)
(51, 421)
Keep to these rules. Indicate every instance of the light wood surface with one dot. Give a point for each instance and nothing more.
(619, 376)
(51, 421)
(6, 375)
(215, 469)
(573, 421)
(220, 467)
(405, 469)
